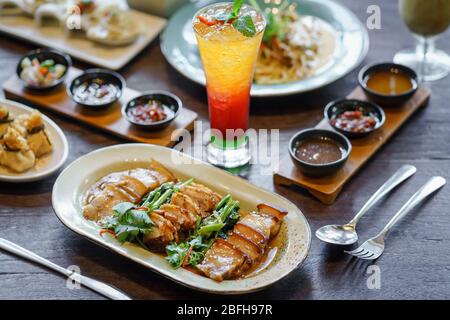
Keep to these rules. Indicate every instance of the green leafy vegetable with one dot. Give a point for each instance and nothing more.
(276, 23)
(274, 29)
(128, 223)
(131, 222)
(192, 251)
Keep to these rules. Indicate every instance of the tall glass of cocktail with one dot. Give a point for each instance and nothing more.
(229, 37)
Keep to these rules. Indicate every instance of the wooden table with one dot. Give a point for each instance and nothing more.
(416, 262)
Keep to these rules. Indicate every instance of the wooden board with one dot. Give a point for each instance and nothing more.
(109, 119)
(326, 189)
(79, 47)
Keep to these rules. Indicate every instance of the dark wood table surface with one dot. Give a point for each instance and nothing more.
(415, 265)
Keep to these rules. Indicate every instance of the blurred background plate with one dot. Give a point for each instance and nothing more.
(179, 46)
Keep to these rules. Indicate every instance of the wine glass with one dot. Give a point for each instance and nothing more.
(426, 20)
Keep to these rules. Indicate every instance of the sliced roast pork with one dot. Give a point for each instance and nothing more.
(125, 186)
(249, 238)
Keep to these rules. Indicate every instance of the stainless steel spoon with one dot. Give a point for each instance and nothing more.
(346, 234)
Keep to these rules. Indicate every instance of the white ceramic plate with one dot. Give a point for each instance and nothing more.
(294, 238)
(180, 48)
(45, 165)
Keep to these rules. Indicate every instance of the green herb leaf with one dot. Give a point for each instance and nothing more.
(245, 26)
(126, 233)
(176, 254)
(122, 208)
(274, 29)
(237, 7)
(139, 218)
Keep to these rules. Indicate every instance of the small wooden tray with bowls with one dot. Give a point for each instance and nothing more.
(109, 119)
(326, 188)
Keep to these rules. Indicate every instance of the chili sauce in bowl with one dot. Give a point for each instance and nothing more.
(153, 110)
(354, 118)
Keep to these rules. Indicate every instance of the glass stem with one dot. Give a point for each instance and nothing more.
(425, 45)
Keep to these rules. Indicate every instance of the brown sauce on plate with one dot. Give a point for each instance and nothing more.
(389, 82)
(319, 150)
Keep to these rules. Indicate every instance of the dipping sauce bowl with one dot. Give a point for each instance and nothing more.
(388, 84)
(319, 152)
(354, 118)
(153, 110)
(57, 58)
(97, 88)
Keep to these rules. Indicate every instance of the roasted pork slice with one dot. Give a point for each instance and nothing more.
(253, 235)
(223, 261)
(250, 237)
(250, 249)
(178, 216)
(130, 185)
(262, 222)
(183, 201)
(101, 205)
(277, 214)
(205, 198)
(161, 233)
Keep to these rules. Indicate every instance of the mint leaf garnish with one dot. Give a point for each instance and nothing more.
(245, 26)
(236, 8)
(242, 24)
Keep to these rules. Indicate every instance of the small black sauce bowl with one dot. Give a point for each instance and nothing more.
(383, 99)
(42, 55)
(319, 170)
(339, 106)
(91, 74)
(166, 98)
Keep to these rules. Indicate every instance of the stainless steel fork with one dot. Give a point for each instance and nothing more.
(373, 248)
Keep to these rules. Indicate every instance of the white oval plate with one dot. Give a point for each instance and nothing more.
(180, 48)
(45, 165)
(294, 238)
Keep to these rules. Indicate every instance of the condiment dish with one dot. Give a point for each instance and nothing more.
(90, 97)
(368, 110)
(388, 100)
(171, 103)
(41, 55)
(320, 169)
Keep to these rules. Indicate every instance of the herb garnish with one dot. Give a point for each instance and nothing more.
(192, 251)
(244, 24)
(276, 23)
(131, 222)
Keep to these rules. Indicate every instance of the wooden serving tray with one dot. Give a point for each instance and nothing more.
(327, 189)
(109, 119)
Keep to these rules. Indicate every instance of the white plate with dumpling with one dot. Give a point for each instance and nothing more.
(32, 146)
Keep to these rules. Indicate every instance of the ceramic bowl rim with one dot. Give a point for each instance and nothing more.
(65, 56)
(348, 147)
(374, 105)
(114, 74)
(179, 105)
(386, 65)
